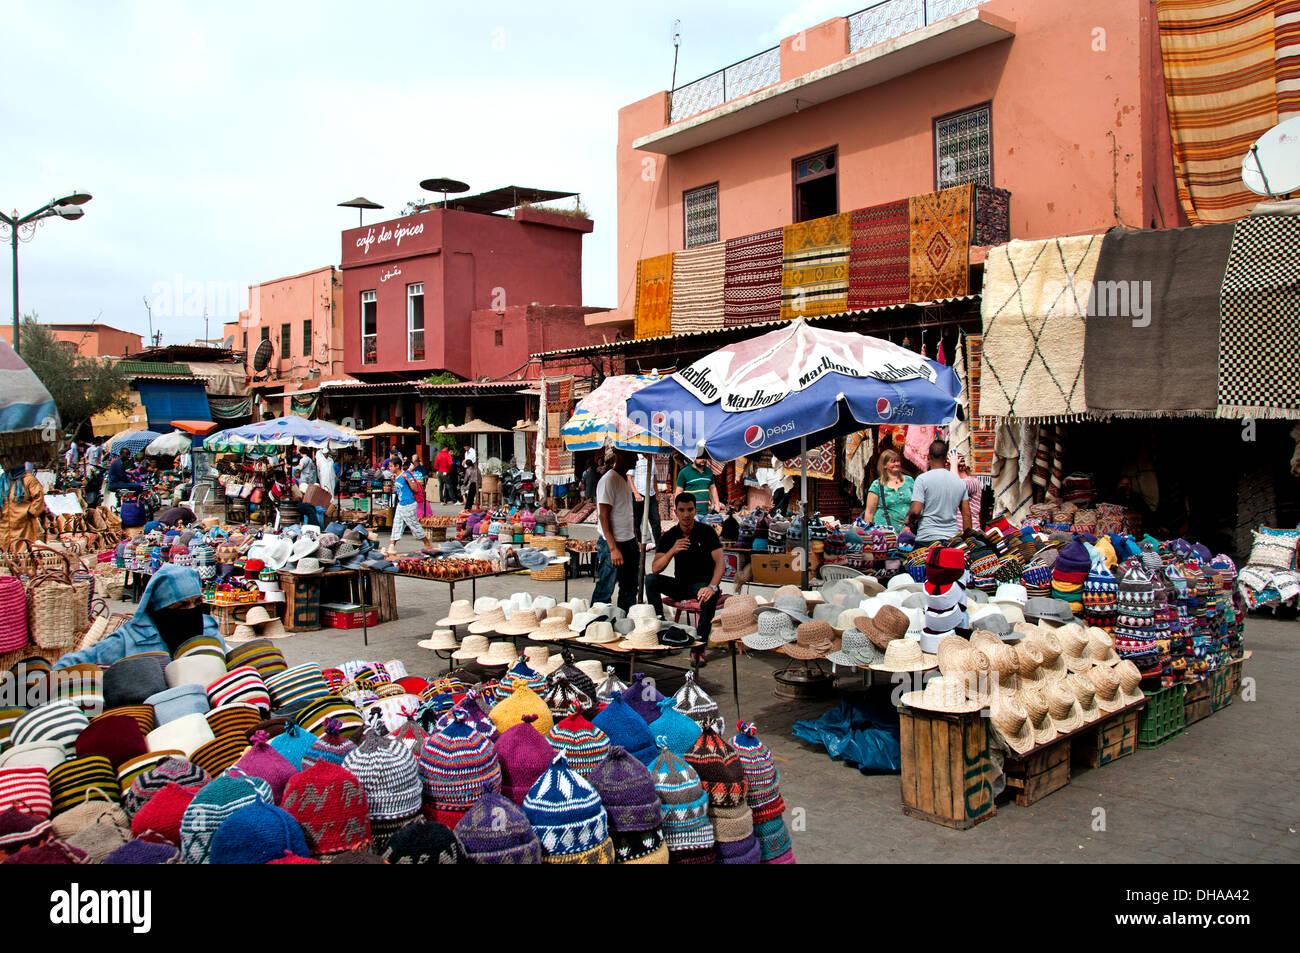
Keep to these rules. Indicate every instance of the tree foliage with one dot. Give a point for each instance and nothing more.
(437, 412)
(81, 386)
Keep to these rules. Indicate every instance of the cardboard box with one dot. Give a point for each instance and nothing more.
(774, 569)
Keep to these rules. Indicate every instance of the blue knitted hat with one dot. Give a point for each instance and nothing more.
(294, 742)
(643, 698)
(625, 728)
(216, 803)
(257, 834)
(674, 730)
(565, 810)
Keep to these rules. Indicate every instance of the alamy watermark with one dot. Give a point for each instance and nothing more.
(180, 298)
(1099, 299)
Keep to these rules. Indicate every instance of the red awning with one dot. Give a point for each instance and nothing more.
(197, 427)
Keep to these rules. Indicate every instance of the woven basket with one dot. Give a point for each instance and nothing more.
(556, 544)
(52, 611)
(436, 534)
(98, 629)
(110, 583)
(13, 614)
(549, 574)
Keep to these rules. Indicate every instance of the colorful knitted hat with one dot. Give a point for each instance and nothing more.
(330, 804)
(497, 831)
(627, 791)
(258, 834)
(263, 761)
(522, 701)
(169, 770)
(763, 790)
(425, 842)
(78, 779)
(562, 696)
(60, 722)
(26, 788)
(389, 774)
(643, 698)
(583, 743)
(566, 813)
(524, 756)
(144, 852)
(719, 768)
(745, 851)
(521, 674)
(695, 704)
(732, 824)
(162, 813)
(213, 806)
(18, 830)
(332, 746)
(685, 805)
(609, 686)
(673, 729)
(474, 714)
(117, 737)
(625, 728)
(576, 677)
(458, 765)
(294, 743)
(774, 841)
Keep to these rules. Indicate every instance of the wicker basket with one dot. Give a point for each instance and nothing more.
(52, 611)
(436, 534)
(556, 544)
(549, 574)
(110, 583)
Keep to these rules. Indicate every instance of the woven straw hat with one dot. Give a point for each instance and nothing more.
(521, 622)
(1064, 708)
(488, 621)
(774, 629)
(591, 668)
(1130, 682)
(644, 637)
(483, 603)
(560, 612)
(554, 628)
(735, 621)
(242, 634)
(905, 655)
(958, 657)
(538, 657)
(578, 624)
(1029, 664)
(942, 694)
(889, 623)
(856, 650)
(460, 613)
(258, 616)
(1086, 695)
(847, 620)
(1101, 647)
(1004, 667)
(1011, 725)
(1105, 684)
(498, 653)
(1035, 704)
(599, 633)
(813, 639)
(1050, 646)
(440, 641)
(1074, 647)
(471, 647)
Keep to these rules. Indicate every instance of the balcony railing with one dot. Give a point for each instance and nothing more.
(876, 24)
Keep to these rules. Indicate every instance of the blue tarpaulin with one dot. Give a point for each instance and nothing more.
(863, 734)
(165, 401)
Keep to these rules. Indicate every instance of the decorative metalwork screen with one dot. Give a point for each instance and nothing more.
(739, 79)
(963, 148)
(701, 213)
(884, 21)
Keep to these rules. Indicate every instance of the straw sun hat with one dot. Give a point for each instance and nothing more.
(440, 641)
(1106, 686)
(471, 647)
(1035, 705)
(644, 637)
(498, 653)
(554, 628)
(460, 613)
(944, 693)
(905, 655)
(1130, 682)
(1011, 725)
(1063, 707)
(489, 620)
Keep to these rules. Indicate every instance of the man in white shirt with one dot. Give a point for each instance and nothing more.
(617, 552)
(325, 470)
(637, 478)
(471, 456)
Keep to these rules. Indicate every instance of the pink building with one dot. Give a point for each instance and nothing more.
(91, 340)
(1064, 110)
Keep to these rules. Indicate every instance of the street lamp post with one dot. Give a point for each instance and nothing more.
(24, 226)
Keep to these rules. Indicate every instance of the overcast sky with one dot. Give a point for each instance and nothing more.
(217, 141)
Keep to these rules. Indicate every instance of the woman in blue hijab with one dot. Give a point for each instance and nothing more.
(170, 611)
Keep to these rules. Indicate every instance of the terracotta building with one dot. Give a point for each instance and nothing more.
(92, 340)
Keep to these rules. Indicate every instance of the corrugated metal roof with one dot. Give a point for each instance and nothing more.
(612, 345)
(476, 385)
(153, 368)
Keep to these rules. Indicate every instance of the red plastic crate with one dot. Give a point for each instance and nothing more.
(349, 620)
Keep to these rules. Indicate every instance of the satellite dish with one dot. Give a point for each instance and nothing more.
(262, 356)
(229, 341)
(1272, 166)
(445, 186)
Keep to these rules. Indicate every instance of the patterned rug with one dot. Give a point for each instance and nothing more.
(752, 288)
(939, 262)
(1221, 89)
(1259, 327)
(983, 429)
(559, 459)
(1034, 303)
(992, 216)
(654, 296)
(1286, 29)
(1144, 360)
(697, 288)
(815, 266)
(879, 253)
(821, 463)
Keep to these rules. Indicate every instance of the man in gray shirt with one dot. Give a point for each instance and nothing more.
(937, 496)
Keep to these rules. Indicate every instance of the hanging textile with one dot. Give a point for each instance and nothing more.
(879, 255)
(983, 429)
(821, 463)
(992, 216)
(858, 449)
(304, 406)
(1220, 63)
(815, 266)
(1012, 488)
(230, 408)
(559, 459)
(939, 259)
(1286, 29)
(752, 288)
(654, 296)
(916, 448)
(697, 288)
(959, 429)
(734, 485)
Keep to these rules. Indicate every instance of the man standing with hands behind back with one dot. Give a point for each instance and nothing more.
(698, 555)
(617, 553)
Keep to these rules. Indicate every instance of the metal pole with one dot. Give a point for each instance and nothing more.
(806, 510)
(13, 241)
(645, 521)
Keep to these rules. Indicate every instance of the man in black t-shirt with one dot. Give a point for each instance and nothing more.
(697, 567)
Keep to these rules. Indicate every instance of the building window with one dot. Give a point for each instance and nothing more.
(415, 322)
(266, 334)
(701, 215)
(285, 340)
(369, 328)
(306, 338)
(963, 147)
(816, 186)
(498, 338)
(245, 342)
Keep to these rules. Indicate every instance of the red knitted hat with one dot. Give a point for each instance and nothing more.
(116, 737)
(162, 813)
(330, 804)
(294, 859)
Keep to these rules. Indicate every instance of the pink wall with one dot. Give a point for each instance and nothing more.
(525, 330)
(467, 262)
(1055, 100)
(294, 300)
(97, 341)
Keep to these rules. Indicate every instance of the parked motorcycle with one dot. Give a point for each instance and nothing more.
(527, 492)
(510, 486)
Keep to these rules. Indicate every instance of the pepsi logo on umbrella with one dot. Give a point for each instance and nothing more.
(754, 436)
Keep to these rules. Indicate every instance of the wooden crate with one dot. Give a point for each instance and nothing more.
(1112, 737)
(1221, 685)
(947, 776)
(1045, 771)
(1196, 702)
(382, 594)
(228, 617)
(301, 602)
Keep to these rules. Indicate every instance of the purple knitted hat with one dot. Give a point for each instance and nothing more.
(642, 697)
(170, 770)
(141, 851)
(263, 761)
(1073, 557)
(497, 831)
(627, 789)
(744, 851)
(524, 755)
(475, 716)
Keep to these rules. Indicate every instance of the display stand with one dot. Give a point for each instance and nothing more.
(303, 597)
(947, 774)
(228, 615)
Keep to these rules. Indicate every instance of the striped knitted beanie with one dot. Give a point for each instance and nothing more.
(643, 698)
(389, 774)
(263, 761)
(235, 718)
(201, 645)
(577, 678)
(300, 683)
(625, 728)
(562, 696)
(609, 686)
(59, 722)
(685, 805)
(329, 803)
(219, 754)
(7, 718)
(212, 806)
(332, 746)
(627, 791)
(260, 654)
(27, 789)
(79, 779)
(566, 812)
(719, 768)
(763, 791)
(475, 716)
(316, 715)
(1101, 597)
(524, 756)
(520, 703)
(83, 685)
(520, 674)
(585, 745)
(673, 729)
(458, 765)
(170, 770)
(18, 829)
(241, 685)
(693, 702)
(497, 831)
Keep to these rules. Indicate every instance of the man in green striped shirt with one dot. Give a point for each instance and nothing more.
(697, 480)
